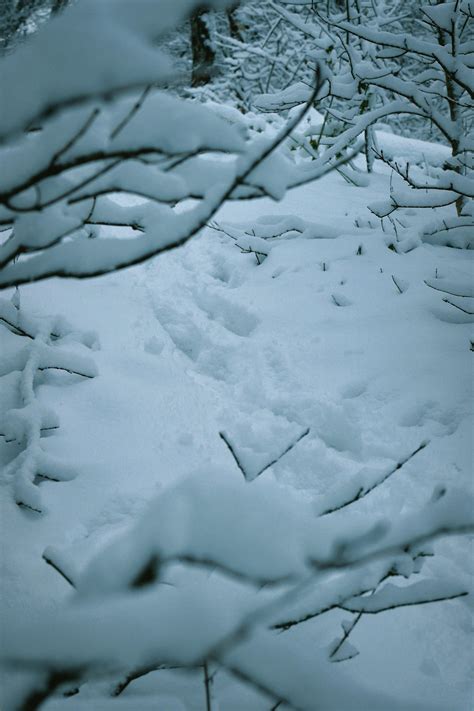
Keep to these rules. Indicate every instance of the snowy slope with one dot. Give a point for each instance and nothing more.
(338, 334)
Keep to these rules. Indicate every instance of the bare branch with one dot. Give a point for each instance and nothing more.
(448, 291)
(460, 308)
(77, 136)
(207, 686)
(345, 636)
(400, 290)
(364, 491)
(134, 110)
(57, 568)
(354, 607)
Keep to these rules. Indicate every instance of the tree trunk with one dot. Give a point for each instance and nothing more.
(454, 97)
(203, 52)
(234, 26)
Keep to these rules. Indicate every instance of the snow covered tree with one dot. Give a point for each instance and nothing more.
(378, 70)
(438, 87)
(255, 53)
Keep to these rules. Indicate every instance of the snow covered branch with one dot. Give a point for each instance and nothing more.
(59, 182)
(372, 73)
(228, 615)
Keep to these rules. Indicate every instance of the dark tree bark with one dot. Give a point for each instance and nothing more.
(58, 6)
(203, 52)
(234, 25)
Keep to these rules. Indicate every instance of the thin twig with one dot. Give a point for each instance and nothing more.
(128, 117)
(58, 569)
(348, 608)
(81, 132)
(397, 284)
(451, 303)
(288, 449)
(15, 329)
(120, 687)
(446, 291)
(363, 492)
(346, 635)
(43, 429)
(233, 452)
(66, 370)
(207, 687)
(267, 466)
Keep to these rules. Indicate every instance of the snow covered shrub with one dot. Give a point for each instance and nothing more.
(261, 235)
(439, 88)
(218, 570)
(31, 346)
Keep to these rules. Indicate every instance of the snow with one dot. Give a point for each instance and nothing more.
(413, 150)
(293, 96)
(204, 340)
(179, 129)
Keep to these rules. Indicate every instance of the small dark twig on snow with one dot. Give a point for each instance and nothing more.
(460, 308)
(267, 466)
(362, 492)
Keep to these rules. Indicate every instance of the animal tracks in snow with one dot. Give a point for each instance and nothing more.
(233, 317)
(341, 299)
(282, 352)
(206, 327)
(431, 414)
(354, 390)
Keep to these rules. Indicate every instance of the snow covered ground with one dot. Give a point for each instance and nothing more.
(337, 333)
